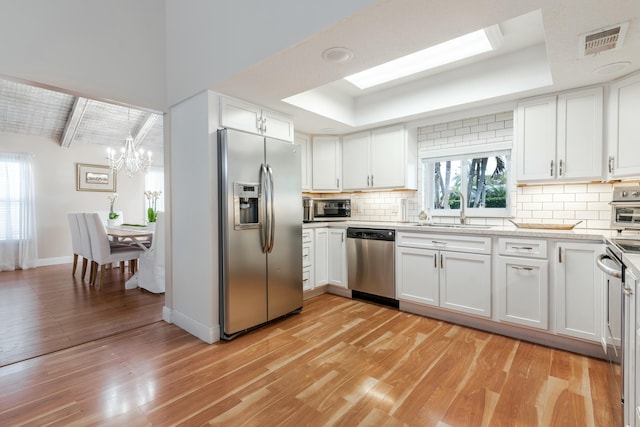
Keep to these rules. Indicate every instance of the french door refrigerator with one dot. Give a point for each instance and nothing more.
(260, 230)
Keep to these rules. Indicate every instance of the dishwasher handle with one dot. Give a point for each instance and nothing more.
(608, 270)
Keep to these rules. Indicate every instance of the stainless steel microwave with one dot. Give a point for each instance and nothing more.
(319, 210)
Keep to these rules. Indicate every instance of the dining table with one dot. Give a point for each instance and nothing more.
(140, 235)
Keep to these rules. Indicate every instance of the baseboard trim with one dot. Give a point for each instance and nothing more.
(43, 262)
(195, 328)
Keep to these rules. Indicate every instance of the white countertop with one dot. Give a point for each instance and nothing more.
(631, 260)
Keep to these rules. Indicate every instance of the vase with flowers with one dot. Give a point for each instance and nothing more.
(152, 211)
(113, 216)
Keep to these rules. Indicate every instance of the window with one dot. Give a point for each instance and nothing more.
(481, 178)
(17, 212)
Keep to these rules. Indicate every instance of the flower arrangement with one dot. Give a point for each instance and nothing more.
(112, 200)
(152, 197)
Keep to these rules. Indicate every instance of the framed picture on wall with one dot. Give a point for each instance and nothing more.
(95, 178)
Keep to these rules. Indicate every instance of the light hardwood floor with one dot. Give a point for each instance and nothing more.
(339, 362)
(46, 309)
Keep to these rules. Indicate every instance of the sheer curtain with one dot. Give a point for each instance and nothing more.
(17, 212)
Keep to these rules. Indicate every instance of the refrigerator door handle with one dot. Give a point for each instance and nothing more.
(272, 216)
(264, 194)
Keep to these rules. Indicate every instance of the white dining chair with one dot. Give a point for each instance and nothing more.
(151, 274)
(76, 242)
(103, 253)
(86, 245)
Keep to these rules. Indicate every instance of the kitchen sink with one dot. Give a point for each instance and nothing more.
(463, 226)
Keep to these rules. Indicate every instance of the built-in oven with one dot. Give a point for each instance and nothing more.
(625, 208)
(614, 313)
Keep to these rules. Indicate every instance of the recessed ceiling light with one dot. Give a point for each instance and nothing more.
(337, 54)
(444, 53)
(614, 67)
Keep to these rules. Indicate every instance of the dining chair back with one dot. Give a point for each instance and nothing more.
(76, 242)
(151, 275)
(102, 251)
(86, 245)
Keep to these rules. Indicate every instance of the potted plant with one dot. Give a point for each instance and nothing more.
(112, 214)
(152, 211)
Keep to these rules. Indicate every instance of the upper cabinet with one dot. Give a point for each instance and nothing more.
(384, 158)
(559, 138)
(251, 118)
(327, 164)
(623, 128)
(304, 143)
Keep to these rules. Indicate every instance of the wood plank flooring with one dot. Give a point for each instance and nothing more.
(340, 362)
(46, 309)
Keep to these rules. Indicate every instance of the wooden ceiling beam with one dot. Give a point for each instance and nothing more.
(73, 122)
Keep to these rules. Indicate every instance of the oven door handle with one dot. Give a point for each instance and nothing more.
(608, 270)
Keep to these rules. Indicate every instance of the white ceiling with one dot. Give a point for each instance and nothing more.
(540, 55)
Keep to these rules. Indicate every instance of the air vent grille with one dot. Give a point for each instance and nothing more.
(605, 39)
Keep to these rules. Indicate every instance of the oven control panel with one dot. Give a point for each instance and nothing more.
(626, 194)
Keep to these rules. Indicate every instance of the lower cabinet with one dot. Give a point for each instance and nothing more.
(523, 287)
(453, 280)
(338, 257)
(308, 249)
(578, 286)
(321, 256)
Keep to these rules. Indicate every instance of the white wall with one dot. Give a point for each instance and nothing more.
(55, 190)
(108, 50)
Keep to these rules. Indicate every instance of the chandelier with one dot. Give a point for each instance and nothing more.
(130, 160)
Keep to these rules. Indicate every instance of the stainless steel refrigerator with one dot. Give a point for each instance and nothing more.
(260, 230)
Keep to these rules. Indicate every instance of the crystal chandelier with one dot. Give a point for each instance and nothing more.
(130, 160)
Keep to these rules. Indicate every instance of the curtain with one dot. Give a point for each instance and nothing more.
(17, 212)
(154, 181)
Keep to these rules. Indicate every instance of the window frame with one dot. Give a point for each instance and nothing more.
(427, 164)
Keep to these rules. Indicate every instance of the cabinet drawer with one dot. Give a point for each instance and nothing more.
(306, 255)
(448, 242)
(306, 279)
(528, 248)
(307, 235)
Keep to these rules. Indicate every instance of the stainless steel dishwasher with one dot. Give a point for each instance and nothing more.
(371, 264)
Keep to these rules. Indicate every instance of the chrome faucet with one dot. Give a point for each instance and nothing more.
(445, 199)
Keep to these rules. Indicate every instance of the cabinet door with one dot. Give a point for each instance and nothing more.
(465, 283)
(321, 256)
(631, 349)
(277, 125)
(337, 258)
(388, 157)
(235, 114)
(417, 275)
(355, 161)
(523, 291)
(579, 154)
(624, 128)
(302, 141)
(327, 164)
(536, 139)
(578, 283)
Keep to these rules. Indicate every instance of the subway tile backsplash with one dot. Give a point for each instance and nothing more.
(554, 204)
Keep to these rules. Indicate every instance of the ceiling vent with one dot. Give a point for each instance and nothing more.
(604, 39)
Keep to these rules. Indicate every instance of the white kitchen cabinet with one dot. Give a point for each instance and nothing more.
(338, 257)
(384, 158)
(560, 138)
(623, 128)
(303, 142)
(321, 256)
(327, 164)
(308, 249)
(240, 115)
(459, 281)
(523, 286)
(417, 275)
(578, 286)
